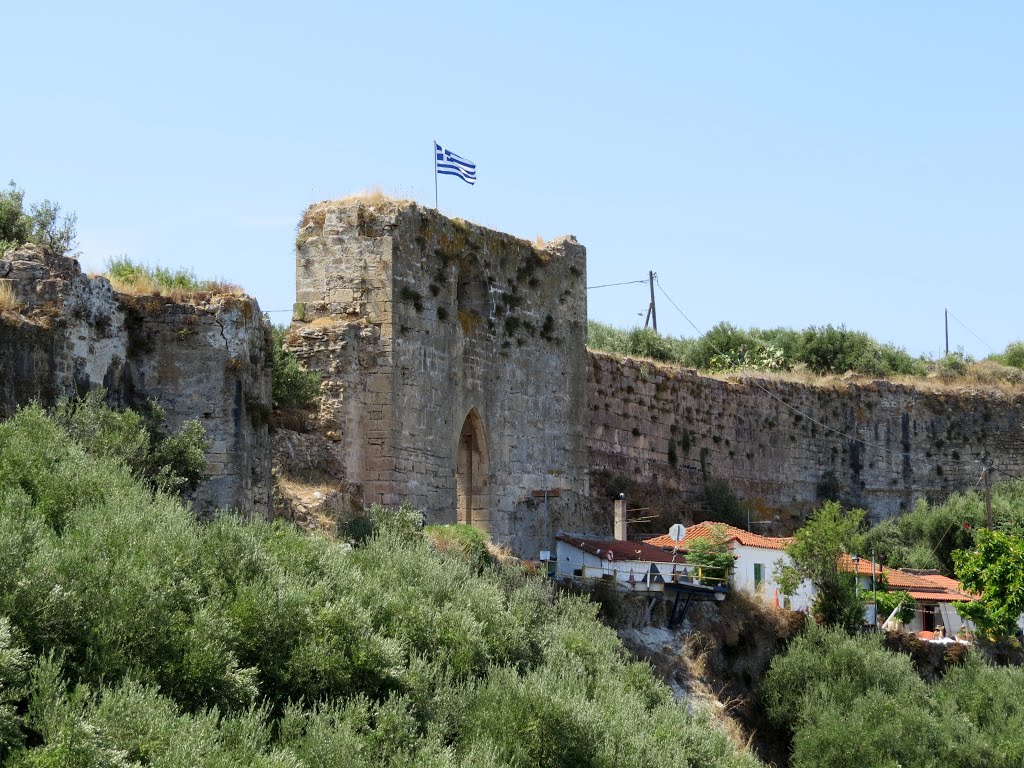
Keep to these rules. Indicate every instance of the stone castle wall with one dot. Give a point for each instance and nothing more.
(882, 446)
(454, 364)
(206, 360)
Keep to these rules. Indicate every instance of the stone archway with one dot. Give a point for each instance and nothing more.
(472, 475)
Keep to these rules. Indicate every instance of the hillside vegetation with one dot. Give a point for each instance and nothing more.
(820, 351)
(846, 701)
(131, 634)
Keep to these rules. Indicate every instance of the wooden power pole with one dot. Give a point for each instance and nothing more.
(652, 315)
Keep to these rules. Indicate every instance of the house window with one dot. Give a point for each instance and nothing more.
(758, 577)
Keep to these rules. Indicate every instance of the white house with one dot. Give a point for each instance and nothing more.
(936, 596)
(630, 565)
(756, 559)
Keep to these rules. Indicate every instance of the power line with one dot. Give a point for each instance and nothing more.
(990, 349)
(773, 396)
(612, 285)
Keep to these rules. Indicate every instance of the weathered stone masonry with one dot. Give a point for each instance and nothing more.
(205, 360)
(454, 362)
(887, 444)
(456, 378)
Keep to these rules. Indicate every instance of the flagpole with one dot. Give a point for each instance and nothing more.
(434, 151)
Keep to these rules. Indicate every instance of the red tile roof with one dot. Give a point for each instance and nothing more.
(705, 531)
(621, 550)
(930, 588)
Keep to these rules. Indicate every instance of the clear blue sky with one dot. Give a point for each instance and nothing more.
(785, 163)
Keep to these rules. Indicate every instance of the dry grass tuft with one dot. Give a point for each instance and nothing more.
(8, 300)
(316, 213)
(540, 243)
(501, 555)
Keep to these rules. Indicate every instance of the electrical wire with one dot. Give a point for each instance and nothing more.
(971, 332)
(772, 395)
(612, 285)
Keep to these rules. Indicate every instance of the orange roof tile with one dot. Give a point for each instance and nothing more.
(927, 588)
(705, 531)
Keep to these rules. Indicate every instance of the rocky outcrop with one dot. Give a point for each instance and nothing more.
(207, 358)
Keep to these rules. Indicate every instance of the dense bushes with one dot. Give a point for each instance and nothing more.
(292, 385)
(926, 536)
(824, 350)
(139, 636)
(848, 702)
(42, 224)
(173, 462)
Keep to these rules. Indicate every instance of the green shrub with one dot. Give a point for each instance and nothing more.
(131, 277)
(173, 462)
(837, 350)
(42, 224)
(1013, 355)
(848, 702)
(724, 339)
(954, 364)
(292, 385)
(151, 638)
(646, 342)
(724, 505)
(463, 541)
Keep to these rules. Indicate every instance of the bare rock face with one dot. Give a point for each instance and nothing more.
(208, 359)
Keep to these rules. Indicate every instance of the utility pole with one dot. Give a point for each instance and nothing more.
(946, 313)
(988, 499)
(652, 315)
(874, 588)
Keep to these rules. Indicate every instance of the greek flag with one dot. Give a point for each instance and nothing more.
(449, 163)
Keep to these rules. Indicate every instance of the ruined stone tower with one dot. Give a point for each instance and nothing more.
(455, 364)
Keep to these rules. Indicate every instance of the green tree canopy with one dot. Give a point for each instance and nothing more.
(42, 224)
(816, 550)
(995, 570)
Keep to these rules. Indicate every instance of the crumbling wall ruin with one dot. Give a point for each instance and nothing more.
(782, 445)
(454, 365)
(208, 359)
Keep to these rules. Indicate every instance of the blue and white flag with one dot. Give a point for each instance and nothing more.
(451, 164)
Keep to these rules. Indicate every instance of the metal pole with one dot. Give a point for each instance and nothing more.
(654, 312)
(946, 313)
(435, 175)
(988, 499)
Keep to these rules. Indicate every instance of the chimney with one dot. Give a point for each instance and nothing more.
(620, 518)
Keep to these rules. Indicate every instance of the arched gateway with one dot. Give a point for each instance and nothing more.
(472, 474)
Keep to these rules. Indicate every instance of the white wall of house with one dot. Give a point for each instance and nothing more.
(754, 573)
(630, 574)
(945, 615)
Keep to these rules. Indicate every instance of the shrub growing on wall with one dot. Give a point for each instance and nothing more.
(42, 224)
(292, 385)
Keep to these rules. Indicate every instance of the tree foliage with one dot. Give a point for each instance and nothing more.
(849, 703)
(815, 552)
(823, 350)
(140, 636)
(994, 569)
(169, 461)
(41, 224)
(712, 554)
(927, 536)
(292, 385)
